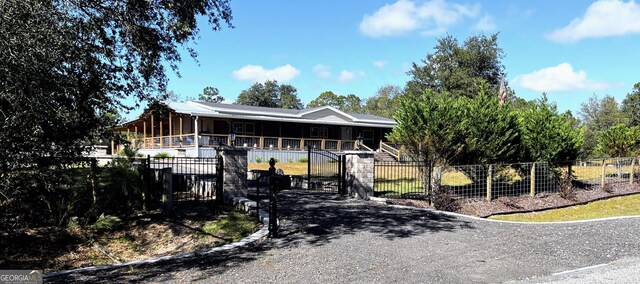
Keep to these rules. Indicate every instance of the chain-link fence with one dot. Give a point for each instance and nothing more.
(473, 182)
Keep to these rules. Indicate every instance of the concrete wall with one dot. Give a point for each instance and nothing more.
(359, 173)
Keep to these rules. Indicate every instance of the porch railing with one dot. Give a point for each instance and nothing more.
(246, 141)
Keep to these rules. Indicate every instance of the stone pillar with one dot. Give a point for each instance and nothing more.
(359, 173)
(235, 171)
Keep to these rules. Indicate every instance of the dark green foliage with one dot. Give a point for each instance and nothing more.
(631, 106)
(270, 94)
(459, 69)
(430, 126)
(385, 102)
(350, 103)
(491, 131)
(619, 141)
(598, 115)
(547, 135)
(210, 94)
(65, 68)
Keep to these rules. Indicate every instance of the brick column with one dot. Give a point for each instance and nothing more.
(359, 173)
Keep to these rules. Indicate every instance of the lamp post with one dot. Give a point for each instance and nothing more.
(359, 141)
(232, 137)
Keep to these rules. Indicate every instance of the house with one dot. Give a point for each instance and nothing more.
(195, 128)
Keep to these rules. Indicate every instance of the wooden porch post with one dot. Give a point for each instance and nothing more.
(153, 142)
(135, 136)
(181, 130)
(161, 133)
(170, 131)
(195, 139)
(144, 134)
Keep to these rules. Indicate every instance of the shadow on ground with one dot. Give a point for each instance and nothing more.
(306, 218)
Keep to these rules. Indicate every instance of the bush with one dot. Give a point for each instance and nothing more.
(303, 160)
(162, 155)
(106, 223)
(258, 160)
(444, 200)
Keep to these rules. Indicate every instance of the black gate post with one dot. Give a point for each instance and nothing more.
(273, 201)
(309, 168)
(343, 176)
(219, 180)
(340, 174)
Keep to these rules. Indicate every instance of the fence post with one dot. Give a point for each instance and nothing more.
(533, 180)
(167, 193)
(604, 173)
(147, 183)
(309, 168)
(220, 181)
(489, 180)
(633, 165)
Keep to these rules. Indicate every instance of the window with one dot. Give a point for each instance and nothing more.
(237, 128)
(319, 132)
(249, 128)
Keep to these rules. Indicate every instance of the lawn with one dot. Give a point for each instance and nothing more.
(288, 168)
(618, 206)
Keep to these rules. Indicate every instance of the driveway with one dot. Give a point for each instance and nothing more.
(328, 239)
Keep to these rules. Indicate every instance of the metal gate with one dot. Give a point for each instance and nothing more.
(326, 171)
(191, 181)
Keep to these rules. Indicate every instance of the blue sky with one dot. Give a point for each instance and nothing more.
(570, 49)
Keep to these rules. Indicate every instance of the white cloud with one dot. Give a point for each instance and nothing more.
(323, 71)
(603, 18)
(404, 16)
(257, 73)
(346, 76)
(349, 76)
(487, 23)
(560, 78)
(379, 63)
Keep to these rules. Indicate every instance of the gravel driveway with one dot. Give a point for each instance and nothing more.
(328, 239)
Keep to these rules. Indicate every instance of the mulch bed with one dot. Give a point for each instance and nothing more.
(542, 201)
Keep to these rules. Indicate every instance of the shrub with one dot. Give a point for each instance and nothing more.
(258, 160)
(303, 160)
(162, 155)
(444, 200)
(289, 160)
(106, 223)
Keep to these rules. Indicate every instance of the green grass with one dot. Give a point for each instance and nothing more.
(234, 226)
(617, 206)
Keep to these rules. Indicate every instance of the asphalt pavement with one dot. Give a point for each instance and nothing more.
(329, 239)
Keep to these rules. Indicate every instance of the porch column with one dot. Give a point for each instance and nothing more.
(180, 131)
(170, 131)
(144, 134)
(161, 133)
(153, 142)
(196, 140)
(135, 136)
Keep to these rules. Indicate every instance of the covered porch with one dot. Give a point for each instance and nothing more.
(171, 130)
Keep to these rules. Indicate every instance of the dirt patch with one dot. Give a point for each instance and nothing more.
(138, 237)
(542, 201)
